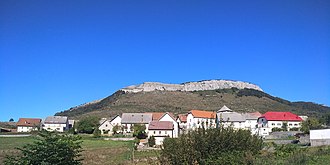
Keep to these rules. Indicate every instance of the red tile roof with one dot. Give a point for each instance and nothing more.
(157, 115)
(28, 122)
(161, 125)
(281, 116)
(203, 114)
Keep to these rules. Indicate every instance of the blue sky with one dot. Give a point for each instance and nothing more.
(58, 54)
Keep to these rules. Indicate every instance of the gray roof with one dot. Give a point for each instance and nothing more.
(252, 115)
(136, 118)
(56, 120)
(225, 109)
(231, 117)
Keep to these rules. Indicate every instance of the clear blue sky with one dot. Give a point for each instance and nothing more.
(58, 54)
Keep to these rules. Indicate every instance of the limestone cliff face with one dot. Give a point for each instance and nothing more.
(190, 86)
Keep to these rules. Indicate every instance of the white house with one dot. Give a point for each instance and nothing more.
(169, 117)
(271, 120)
(199, 119)
(56, 123)
(251, 121)
(28, 124)
(228, 118)
(166, 116)
(182, 122)
(106, 127)
(160, 130)
(129, 119)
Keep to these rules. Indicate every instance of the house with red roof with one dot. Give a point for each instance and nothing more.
(271, 120)
(166, 116)
(200, 118)
(28, 124)
(160, 130)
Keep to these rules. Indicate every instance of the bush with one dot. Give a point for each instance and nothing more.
(277, 129)
(88, 124)
(294, 129)
(151, 141)
(97, 133)
(211, 146)
(139, 131)
(49, 149)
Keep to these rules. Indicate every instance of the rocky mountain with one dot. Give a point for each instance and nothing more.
(190, 86)
(180, 98)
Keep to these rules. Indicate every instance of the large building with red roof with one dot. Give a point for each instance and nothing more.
(199, 119)
(271, 120)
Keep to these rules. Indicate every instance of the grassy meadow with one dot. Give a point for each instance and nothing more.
(96, 151)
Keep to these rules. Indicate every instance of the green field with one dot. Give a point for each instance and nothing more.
(96, 151)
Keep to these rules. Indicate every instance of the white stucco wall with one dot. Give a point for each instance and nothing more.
(194, 122)
(235, 125)
(56, 127)
(116, 121)
(165, 133)
(26, 129)
(106, 126)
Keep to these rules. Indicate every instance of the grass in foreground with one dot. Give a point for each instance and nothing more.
(95, 150)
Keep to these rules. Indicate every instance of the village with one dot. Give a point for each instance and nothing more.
(161, 125)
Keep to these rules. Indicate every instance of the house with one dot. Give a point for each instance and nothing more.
(71, 123)
(271, 120)
(228, 118)
(106, 127)
(251, 121)
(182, 123)
(170, 117)
(129, 119)
(28, 124)
(160, 130)
(166, 116)
(56, 123)
(199, 119)
(320, 137)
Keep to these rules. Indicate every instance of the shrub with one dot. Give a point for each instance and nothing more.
(97, 133)
(49, 148)
(212, 146)
(151, 141)
(139, 131)
(277, 129)
(88, 124)
(294, 129)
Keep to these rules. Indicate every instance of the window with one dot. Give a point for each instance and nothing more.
(273, 123)
(279, 124)
(160, 132)
(154, 132)
(290, 124)
(106, 125)
(295, 124)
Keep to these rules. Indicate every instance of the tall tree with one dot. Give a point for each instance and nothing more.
(88, 124)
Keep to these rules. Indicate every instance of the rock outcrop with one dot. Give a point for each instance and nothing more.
(190, 86)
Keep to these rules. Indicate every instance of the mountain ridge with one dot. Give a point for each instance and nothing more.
(176, 101)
